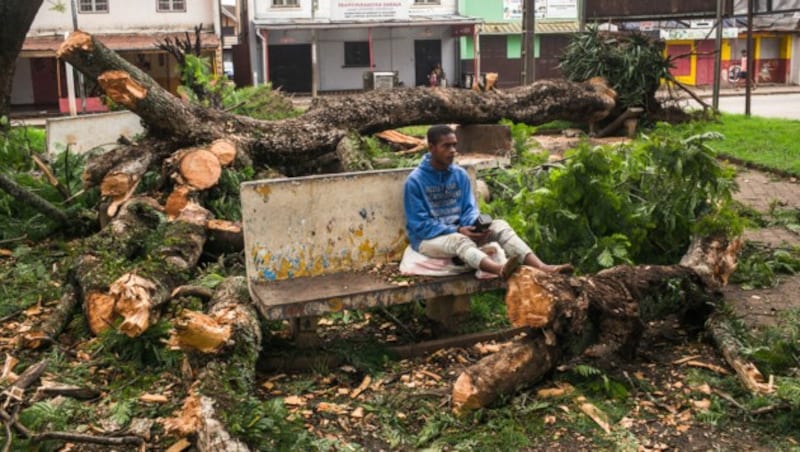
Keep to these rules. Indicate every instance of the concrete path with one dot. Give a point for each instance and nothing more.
(762, 192)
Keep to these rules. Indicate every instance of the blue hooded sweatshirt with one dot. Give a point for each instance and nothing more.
(437, 202)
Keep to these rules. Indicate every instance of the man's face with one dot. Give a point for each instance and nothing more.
(443, 152)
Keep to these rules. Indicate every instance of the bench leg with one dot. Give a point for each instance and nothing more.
(304, 331)
(448, 310)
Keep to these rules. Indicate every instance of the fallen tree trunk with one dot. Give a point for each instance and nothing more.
(224, 344)
(598, 315)
(294, 145)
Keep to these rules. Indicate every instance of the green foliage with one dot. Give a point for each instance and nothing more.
(18, 146)
(760, 267)
(633, 64)
(52, 414)
(638, 202)
(31, 276)
(146, 350)
(261, 102)
(266, 425)
(200, 86)
(223, 199)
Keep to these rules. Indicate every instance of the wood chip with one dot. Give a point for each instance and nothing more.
(560, 390)
(362, 387)
(335, 408)
(685, 359)
(6, 253)
(153, 398)
(294, 400)
(431, 374)
(181, 445)
(702, 405)
(711, 367)
(596, 414)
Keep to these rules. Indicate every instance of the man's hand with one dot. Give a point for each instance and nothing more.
(470, 232)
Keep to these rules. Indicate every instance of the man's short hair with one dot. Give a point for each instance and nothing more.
(438, 131)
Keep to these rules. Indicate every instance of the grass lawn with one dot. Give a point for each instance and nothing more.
(767, 142)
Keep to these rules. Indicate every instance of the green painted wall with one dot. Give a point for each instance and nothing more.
(467, 48)
(513, 47)
(490, 10)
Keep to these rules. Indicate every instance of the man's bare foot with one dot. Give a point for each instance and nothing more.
(563, 268)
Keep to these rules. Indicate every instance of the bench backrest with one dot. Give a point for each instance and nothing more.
(317, 225)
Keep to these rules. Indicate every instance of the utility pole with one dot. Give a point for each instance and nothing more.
(81, 88)
(314, 59)
(749, 69)
(717, 58)
(528, 43)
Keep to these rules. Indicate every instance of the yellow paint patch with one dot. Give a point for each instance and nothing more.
(335, 304)
(264, 191)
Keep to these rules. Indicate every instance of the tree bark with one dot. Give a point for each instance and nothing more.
(138, 295)
(300, 145)
(227, 367)
(598, 315)
(16, 17)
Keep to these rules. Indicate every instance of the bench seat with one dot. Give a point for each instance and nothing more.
(318, 295)
(325, 243)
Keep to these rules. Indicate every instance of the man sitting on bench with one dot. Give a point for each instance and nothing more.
(442, 217)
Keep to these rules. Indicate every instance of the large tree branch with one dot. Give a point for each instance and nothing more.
(293, 142)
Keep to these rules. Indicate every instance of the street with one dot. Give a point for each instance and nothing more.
(785, 105)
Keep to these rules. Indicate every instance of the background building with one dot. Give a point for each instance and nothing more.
(131, 28)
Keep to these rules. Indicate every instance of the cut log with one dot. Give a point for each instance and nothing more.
(139, 295)
(527, 361)
(224, 237)
(599, 315)
(298, 145)
(200, 169)
(225, 150)
(122, 238)
(748, 373)
(200, 332)
(54, 323)
(122, 88)
(229, 372)
(177, 200)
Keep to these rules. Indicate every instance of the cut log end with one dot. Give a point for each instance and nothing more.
(224, 150)
(133, 295)
(99, 311)
(200, 168)
(200, 332)
(76, 40)
(115, 185)
(177, 201)
(122, 88)
(466, 396)
(528, 302)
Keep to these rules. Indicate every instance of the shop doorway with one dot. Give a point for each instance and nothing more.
(427, 54)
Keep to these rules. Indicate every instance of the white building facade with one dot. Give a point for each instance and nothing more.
(132, 28)
(333, 45)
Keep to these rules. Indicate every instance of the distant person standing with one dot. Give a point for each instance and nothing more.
(743, 74)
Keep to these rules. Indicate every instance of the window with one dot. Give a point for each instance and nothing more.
(284, 3)
(426, 2)
(93, 6)
(171, 5)
(356, 54)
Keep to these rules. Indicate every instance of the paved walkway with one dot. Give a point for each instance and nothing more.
(761, 191)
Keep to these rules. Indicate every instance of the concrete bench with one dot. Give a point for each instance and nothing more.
(322, 244)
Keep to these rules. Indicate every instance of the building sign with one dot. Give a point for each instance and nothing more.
(369, 10)
(696, 34)
(464, 30)
(545, 9)
(562, 9)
